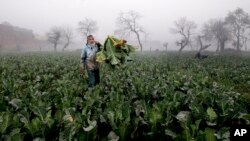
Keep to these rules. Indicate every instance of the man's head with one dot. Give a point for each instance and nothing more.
(90, 39)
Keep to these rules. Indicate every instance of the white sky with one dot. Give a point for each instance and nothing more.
(157, 15)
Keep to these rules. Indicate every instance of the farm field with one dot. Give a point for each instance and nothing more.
(158, 96)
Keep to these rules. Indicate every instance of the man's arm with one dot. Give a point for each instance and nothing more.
(83, 55)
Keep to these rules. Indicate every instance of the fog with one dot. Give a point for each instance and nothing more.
(157, 16)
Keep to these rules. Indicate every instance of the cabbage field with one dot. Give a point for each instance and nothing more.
(158, 96)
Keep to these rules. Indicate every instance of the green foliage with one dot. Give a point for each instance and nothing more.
(155, 97)
(114, 51)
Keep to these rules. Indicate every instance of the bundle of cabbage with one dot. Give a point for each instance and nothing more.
(114, 51)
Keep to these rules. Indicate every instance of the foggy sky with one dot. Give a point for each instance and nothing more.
(157, 15)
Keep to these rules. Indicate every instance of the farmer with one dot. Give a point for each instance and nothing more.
(88, 60)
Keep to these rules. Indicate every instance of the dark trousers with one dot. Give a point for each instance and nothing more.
(94, 77)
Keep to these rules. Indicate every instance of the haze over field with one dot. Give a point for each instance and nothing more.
(157, 16)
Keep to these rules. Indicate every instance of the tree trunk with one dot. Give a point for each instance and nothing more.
(66, 45)
(55, 46)
(201, 45)
(182, 47)
(222, 46)
(238, 41)
(139, 40)
(238, 44)
(218, 47)
(183, 44)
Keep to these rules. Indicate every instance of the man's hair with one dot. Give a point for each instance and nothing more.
(90, 36)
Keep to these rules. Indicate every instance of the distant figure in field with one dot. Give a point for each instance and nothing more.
(200, 56)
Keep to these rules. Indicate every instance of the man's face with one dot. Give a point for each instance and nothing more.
(91, 40)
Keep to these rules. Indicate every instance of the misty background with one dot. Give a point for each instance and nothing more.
(156, 17)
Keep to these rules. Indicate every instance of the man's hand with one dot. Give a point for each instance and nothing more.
(98, 44)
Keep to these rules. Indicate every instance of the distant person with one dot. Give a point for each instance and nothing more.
(88, 60)
(200, 56)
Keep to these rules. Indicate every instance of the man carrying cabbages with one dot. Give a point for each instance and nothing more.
(88, 60)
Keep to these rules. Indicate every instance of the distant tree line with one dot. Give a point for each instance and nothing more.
(235, 27)
(127, 24)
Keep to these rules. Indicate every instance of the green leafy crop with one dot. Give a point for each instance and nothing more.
(158, 96)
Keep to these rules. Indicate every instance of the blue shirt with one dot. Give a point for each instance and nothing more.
(88, 57)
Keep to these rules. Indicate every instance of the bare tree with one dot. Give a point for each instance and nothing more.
(128, 23)
(67, 36)
(185, 29)
(239, 22)
(54, 36)
(87, 27)
(217, 30)
(165, 44)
